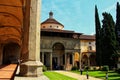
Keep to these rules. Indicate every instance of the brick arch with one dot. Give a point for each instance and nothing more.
(11, 21)
(10, 18)
(14, 39)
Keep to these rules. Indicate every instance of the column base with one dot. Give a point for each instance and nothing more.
(31, 69)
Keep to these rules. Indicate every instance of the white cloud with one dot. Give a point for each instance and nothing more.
(110, 8)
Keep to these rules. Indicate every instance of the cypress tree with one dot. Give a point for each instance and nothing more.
(117, 27)
(109, 39)
(98, 37)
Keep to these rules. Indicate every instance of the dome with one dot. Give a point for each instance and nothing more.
(51, 23)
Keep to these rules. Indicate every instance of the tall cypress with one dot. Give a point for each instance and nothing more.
(98, 37)
(117, 26)
(109, 40)
(117, 31)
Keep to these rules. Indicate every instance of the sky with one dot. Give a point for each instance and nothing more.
(78, 15)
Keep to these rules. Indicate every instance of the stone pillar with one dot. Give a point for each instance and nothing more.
(80, 59)
(88, 54)
(33, 66)
(65, 61)
(51, 61)
(73, 59)
(43, 57)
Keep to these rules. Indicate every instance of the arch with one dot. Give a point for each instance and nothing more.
(84, 60)
(11, 39)
(10, 31)
(11, 2)
(60, 42)
(58, 46)
(15, 18)
(11, 53)
(58, 56)
(92, 60)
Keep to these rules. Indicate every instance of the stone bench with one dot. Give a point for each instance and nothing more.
(7, 72)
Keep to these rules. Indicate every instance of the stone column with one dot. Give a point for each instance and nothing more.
(51, 61)
(65, 61)
(80, 58)
(88, 54)
(73, 59)
(33, 66)
(43, 57)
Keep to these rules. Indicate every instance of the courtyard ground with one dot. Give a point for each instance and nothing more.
(77, 76)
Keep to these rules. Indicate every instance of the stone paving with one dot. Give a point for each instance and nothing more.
(77, 76)
(31, 78)
(67, 73)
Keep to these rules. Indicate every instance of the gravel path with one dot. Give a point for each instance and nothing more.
(77, 76)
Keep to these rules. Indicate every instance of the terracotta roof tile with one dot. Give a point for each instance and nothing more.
(87, 37)
(51, 20)
(57, 30)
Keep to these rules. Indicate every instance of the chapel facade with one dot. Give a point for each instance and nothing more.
(62, 49)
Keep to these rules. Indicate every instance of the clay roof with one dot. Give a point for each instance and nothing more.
(87, 37)
(57, 30)
(51, 21)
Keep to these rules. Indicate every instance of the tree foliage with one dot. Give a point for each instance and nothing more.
(106, 43)
(108, 39)
(98, 43)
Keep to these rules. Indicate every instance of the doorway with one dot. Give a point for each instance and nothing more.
(55, 63)
(57, 56)
(11, 53)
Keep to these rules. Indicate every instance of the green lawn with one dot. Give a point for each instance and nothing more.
(56, 76)
(100, 74)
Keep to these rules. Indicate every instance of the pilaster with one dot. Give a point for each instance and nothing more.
(51, 61)
(43, 57)
(33, 66)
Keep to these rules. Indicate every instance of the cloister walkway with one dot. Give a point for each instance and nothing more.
(77, 76)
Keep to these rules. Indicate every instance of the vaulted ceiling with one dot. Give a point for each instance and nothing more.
(11, 21)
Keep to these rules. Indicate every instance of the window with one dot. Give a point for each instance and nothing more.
(90, 48)
(43, 26)
(50, 26)
(89, 42)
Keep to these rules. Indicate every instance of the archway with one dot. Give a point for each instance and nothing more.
(58, 60)
(84, 61)
(92, 60)
(11, 53)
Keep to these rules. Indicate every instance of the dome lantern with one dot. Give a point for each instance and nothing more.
(50, 14)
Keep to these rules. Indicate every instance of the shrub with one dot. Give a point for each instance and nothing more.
(118, 70)
(44, 68)
(105, 68)
(87, 68)
(75, 68)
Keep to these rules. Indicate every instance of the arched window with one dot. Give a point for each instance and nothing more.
(90, 48)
